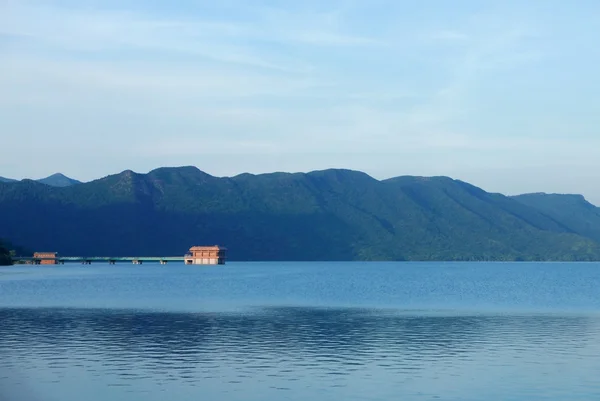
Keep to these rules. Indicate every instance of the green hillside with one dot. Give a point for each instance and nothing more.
(322, 215)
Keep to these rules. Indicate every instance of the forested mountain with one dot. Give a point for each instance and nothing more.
(322, 215)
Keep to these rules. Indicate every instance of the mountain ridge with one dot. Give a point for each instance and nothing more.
(276, 173)
(332, 214)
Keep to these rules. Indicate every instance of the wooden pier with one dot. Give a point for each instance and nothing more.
(87, 260)
(198, 255)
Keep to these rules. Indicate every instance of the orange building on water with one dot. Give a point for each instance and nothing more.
(206, 255)
(46, 258)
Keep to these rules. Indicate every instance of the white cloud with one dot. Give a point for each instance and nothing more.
(450, 35)
(105, 31)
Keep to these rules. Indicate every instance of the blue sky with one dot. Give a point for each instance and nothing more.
(503, 94)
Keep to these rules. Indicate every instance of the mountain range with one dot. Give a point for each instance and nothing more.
(322, 215)
(55, 180)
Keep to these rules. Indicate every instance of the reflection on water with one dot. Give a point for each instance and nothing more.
(296, 354)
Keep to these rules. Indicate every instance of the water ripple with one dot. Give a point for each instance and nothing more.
(333, 353)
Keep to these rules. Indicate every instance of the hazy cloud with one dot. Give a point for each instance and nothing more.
(390, 88)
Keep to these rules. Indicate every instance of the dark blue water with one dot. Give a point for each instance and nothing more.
(298, 331)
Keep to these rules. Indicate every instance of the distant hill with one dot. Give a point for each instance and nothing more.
(322, 215)
(572, 211)
(58, 180)
(55, 180)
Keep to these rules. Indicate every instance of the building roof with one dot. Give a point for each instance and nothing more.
(208, 248)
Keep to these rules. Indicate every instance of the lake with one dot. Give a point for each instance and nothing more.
(301, 331)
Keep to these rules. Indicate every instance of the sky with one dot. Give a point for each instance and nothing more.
(502, 94)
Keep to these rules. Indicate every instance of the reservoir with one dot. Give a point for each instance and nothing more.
(298, 331)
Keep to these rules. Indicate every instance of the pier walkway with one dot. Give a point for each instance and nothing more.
(197, 255)
(87, 260)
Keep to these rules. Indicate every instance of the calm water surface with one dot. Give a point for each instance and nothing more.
(298, 331)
